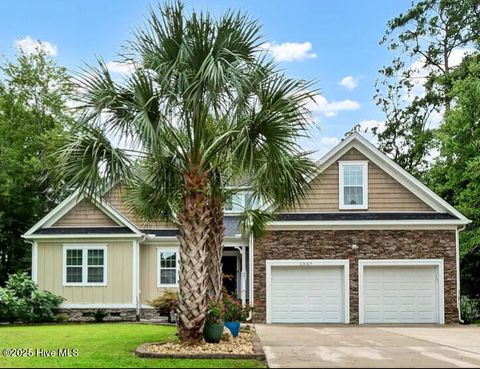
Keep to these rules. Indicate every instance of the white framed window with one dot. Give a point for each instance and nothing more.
(353, 181)
(84, 265)
(240, 201)
(167, 267)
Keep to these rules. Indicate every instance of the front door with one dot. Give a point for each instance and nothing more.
(230, 274)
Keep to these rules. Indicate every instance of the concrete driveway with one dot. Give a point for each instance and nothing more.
(306, 346)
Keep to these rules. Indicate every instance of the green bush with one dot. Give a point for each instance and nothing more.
(61, 318)
(12, 308)
(99, 315)
(166, 303)
(22, 301)
(469, 309)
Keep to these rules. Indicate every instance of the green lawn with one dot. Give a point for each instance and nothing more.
(99, 346)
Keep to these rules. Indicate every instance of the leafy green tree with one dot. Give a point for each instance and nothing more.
(32, 121)
(426, 39)
(202, 108)
(456, 173)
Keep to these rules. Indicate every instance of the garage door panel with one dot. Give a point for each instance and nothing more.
(311, 294)
(400, 294)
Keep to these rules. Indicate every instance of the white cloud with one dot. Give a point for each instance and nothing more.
(420, 72)
(322, 106)
(369, 125)
(30, 46)
(319, 145)
(349, 82)
(289, 51)
(120, 67)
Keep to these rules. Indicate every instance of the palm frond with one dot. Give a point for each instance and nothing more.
(254, 222)
(91, 163)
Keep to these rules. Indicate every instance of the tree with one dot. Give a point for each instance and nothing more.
(32, 120)
(456, 173)
(428, 38)
(202, 108)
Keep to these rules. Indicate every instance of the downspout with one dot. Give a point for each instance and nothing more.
(457, 244)
(250, 274)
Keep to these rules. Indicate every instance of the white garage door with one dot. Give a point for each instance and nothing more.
(400, 294)
(311, 294)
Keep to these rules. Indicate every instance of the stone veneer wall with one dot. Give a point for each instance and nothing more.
(120, 315)
(372, 244)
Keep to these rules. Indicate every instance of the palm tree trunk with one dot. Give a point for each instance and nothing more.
(194, 232)
(215, 249)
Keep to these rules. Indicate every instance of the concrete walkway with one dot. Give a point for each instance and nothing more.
(304, 346)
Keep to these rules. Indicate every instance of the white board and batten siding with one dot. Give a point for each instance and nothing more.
(401, 291)
(307, 291)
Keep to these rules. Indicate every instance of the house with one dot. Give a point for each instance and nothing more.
(369, 244)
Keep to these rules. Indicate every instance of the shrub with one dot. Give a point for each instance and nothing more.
(166, 303)
(22, 301)
(12, 308)
(469, 309)
(215, 312)
(99, 315)
(234, 311)
(21, 285)
(61, 318)
(44, 304)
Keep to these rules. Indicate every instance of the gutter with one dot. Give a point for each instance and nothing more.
(250, 275)
(457, 241)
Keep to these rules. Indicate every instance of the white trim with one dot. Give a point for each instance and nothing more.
(251, 295)
(402, 262)
(243, 276)
(135, 272)
(70, 202)
(365, 224)
(64, 206)
(345, 263)
(97, 306)
(35, 261)
(168, 240)
(127, 236)
(388, 165)
(85, 247)
(176, 250)
(235, 253)
(341, 182)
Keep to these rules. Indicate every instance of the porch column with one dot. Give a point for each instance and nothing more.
(243, 280)
(136, 277)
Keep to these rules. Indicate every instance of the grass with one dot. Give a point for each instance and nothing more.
(99, 346)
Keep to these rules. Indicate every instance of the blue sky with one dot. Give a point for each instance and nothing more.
(312, 39)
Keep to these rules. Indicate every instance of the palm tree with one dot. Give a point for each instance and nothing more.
(201, 109)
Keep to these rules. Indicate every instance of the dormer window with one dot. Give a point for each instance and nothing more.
(241, 201)
(353, 180)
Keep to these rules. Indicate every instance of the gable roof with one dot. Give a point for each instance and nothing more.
(357, 141)
(70, 202)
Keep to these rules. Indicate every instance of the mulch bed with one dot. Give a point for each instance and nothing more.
(245, 346)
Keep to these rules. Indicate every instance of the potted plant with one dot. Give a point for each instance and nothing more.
(213, 329)
(235, 313)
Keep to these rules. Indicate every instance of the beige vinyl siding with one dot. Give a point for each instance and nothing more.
(119, 273)
(148, 272)
(116, 198)
(384, 192)
(85, 214)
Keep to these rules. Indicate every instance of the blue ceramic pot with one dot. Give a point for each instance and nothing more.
(234, 328)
